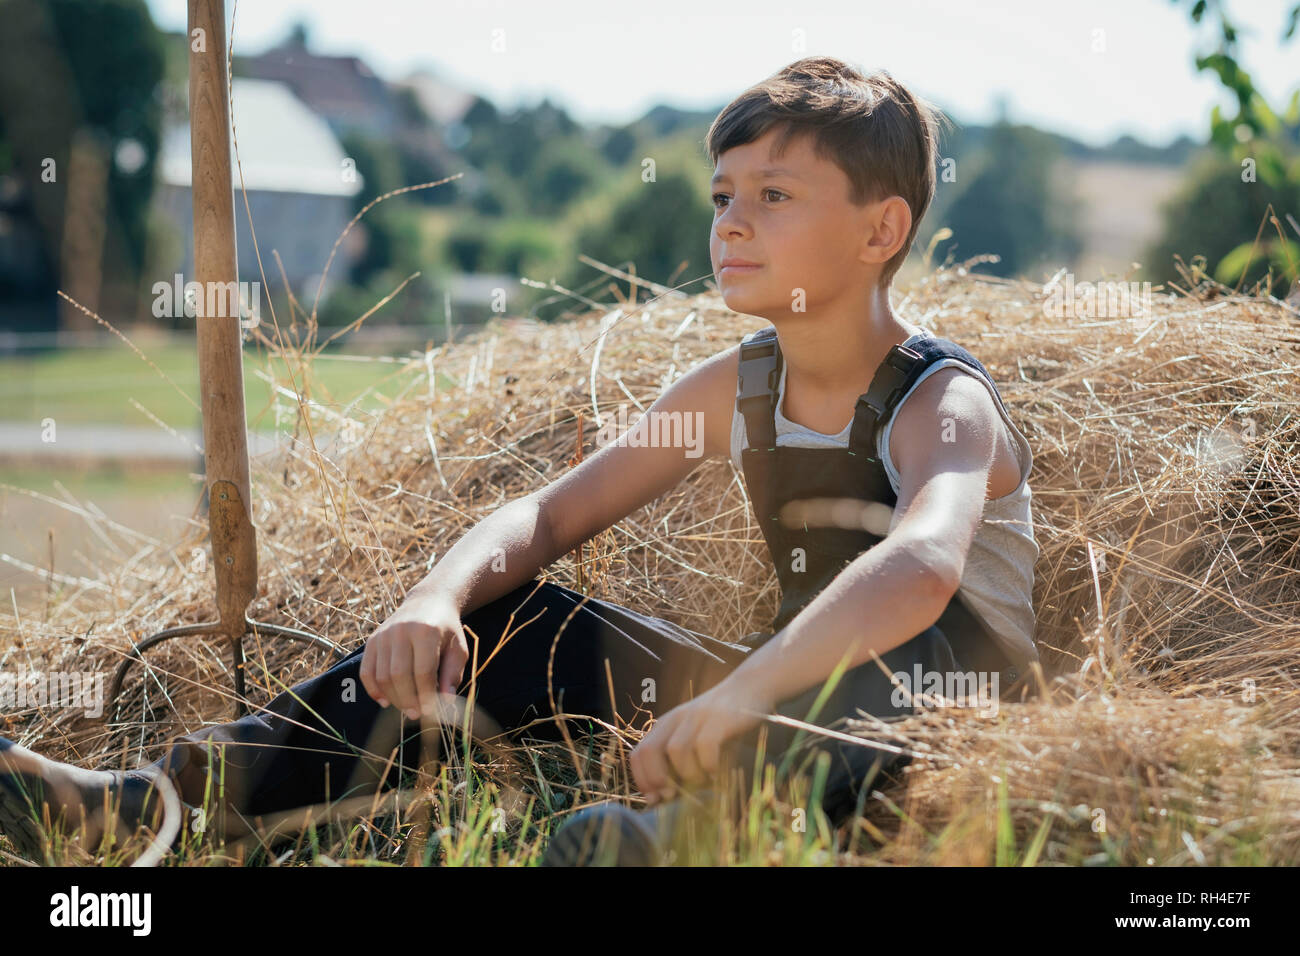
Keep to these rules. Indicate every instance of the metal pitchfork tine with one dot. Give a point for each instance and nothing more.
(221, 368)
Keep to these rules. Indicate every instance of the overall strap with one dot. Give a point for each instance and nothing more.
(901, 369)
(760, 375)
(897, 373)
(760, 372)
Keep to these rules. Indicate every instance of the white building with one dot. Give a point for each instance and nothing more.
(300, 188)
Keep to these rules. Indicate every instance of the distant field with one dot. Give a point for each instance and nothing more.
(152, 502)
(97, 385)
(1120, 211)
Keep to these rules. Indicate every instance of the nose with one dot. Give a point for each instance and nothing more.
(730, 222)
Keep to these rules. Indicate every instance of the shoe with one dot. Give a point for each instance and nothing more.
(611, 834)
(77, 801)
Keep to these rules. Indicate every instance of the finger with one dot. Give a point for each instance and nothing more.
(682, 761)
(634, 765)
(401, 679)
(425, 661)
(368, 670)
(708, 747)
(643, 786)
(383, 687)
(654, 764)
(452, 668)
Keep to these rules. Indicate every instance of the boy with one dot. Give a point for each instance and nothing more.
(822, 177)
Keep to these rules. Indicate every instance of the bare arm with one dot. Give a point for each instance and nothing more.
(421, 649)
(503, 551)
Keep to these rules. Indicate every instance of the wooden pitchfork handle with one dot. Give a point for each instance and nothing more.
(221, 367)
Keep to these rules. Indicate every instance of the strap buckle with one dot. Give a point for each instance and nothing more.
(757, 368)
(901, 361)
(878, 402)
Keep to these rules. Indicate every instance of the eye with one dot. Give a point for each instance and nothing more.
(765, 192)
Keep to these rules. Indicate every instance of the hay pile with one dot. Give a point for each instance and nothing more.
(1165, 502)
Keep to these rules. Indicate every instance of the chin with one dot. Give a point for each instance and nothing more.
(747, 303)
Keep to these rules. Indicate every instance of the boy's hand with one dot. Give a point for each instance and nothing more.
(685, 744)
(419, 651)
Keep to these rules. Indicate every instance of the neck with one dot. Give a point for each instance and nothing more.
(837, 349)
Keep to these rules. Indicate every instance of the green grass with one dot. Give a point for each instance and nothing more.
(479, 810)
(462, 821)
(112, 479)
(87, 386)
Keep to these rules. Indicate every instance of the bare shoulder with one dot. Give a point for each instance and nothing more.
(710, 387)
(652, 456)
(949, 400)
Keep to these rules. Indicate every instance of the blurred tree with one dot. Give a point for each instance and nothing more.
(661, 227)
(515, 141)
(619, 145)
(496, 193)
(1264, 145)
(516, 246)
(1255, 119)
(1213, 215)
(299, 34)
(1012, 205)
(380, 167)
(419, 303)
(565, 168)
(394, 241)
(84, 72)
(419, 149)
(392, 229)
(468, 243)
(522, 247)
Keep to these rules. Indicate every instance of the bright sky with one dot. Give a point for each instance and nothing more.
(611, 62)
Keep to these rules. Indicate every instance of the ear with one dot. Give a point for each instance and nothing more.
(889, 220)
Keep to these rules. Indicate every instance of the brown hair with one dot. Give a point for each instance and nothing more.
(871, 126)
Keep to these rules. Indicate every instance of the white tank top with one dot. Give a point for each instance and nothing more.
(998, 581)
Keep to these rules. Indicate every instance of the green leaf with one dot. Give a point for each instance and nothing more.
(1006, 835)
(1292, 115)
(1221, 131)
(1221, 64)
(1234, 265)
(1292, 20)
(1039, 841)
(1283, 256)
(1267, 120)
(1272, 168)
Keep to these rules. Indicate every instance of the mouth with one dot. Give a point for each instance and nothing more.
(739, 268)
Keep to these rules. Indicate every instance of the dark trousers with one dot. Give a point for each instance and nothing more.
(326, 739)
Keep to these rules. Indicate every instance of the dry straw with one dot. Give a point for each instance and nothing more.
(1165, 504)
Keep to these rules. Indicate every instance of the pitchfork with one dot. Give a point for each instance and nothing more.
(221, 370)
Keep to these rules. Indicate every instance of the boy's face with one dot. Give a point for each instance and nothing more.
(793, 217)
